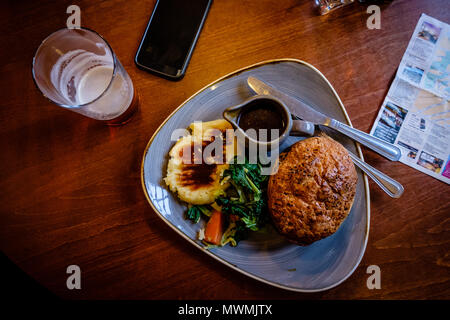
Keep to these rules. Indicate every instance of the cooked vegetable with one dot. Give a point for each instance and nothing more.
(245, 202)
(250, 185)
(243, 207)
(235, 232)
(246, 177)
(194, 212)
(214, 228)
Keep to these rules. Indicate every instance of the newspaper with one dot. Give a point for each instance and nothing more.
(415, 114)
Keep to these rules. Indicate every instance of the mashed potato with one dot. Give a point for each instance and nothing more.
(199, 183)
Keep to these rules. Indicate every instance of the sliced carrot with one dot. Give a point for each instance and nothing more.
(214, 228)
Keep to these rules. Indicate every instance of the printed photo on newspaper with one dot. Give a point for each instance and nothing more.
(415, 114)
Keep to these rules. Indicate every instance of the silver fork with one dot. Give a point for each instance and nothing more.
(392, 187)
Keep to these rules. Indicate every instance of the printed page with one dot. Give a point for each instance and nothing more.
(426, 62)
(415, 114)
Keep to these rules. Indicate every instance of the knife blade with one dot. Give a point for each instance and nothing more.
(307, 113)
(297, 107)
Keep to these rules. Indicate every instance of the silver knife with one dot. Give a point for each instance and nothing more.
(307, 113)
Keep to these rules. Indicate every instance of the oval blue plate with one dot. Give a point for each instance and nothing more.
(265, 256)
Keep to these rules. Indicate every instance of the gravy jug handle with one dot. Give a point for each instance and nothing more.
(302, 128)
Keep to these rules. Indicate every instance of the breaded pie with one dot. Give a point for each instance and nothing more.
(313, 190)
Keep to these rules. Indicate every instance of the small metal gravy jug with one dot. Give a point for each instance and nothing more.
(290, 126)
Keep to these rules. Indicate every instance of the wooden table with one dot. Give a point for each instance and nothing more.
(70, 186)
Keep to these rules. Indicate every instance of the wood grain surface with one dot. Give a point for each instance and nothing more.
(70, 186)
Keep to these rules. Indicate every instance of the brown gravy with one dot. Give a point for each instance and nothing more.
(262, 114)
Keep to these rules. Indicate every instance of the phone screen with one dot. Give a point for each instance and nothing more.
(171, 36)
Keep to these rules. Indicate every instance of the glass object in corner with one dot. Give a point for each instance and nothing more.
(325, 6)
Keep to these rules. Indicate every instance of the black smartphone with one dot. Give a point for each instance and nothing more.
(170, 37)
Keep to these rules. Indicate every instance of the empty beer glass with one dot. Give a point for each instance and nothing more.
(78, 70)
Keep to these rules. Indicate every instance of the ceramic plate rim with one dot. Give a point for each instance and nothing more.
(358, 148)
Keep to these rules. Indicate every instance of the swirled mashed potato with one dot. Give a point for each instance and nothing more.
(194, 182)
